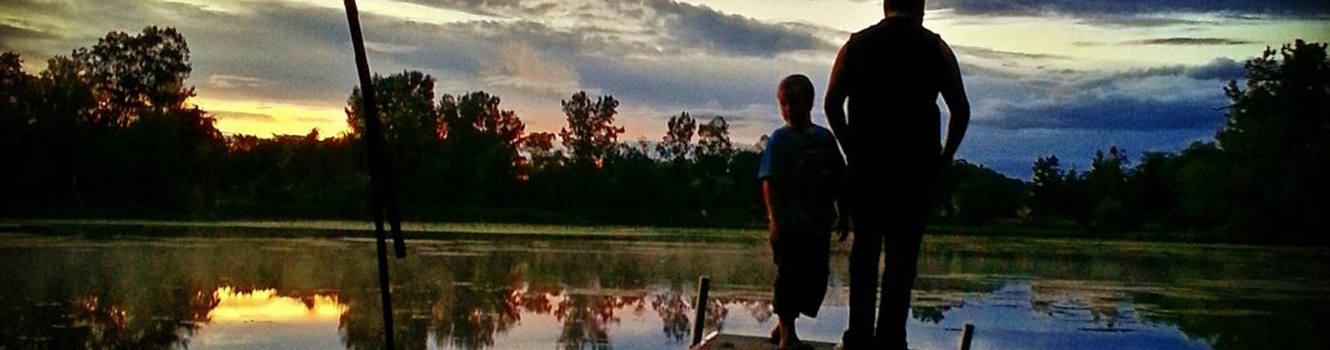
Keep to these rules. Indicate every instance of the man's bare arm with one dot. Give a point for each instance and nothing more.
(953, 92)
(834, 104)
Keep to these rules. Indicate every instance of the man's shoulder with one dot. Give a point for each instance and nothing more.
(876, 27)
(885, 26)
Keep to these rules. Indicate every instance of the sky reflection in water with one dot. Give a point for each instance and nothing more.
(233, 293)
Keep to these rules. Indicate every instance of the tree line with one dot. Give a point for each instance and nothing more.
(109, 131)
(1262, 179)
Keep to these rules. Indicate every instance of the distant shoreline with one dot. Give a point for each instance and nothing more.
(480, 230)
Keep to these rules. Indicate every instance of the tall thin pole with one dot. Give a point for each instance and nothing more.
(382, 196)
(700, 320)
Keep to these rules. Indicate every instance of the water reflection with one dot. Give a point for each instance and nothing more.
(217, 292)
(266, 305)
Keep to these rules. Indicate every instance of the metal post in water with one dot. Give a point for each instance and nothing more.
(966, 335)
(703, 285)
(382, 197)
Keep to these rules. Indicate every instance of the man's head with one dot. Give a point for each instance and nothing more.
(796, 100)
(913, 7)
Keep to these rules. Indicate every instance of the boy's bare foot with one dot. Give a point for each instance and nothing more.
(794, 344)
(775, 334)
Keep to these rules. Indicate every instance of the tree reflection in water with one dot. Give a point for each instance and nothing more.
(158, 293)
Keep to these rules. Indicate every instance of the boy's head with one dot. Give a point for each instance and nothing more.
(796, 100)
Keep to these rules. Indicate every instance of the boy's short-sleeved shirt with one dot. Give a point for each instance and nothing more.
(803, 165)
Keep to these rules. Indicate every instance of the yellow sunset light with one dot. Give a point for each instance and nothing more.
(266, 305)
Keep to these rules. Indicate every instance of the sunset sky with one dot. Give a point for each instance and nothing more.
(1062, 77)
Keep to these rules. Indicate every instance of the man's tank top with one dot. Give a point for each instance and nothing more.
(893, 71)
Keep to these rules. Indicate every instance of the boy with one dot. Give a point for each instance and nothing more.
(802, 170)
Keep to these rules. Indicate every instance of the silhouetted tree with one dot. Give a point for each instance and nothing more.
(1278, 138)
(590, 133)
(481, 145)
(1200, 177)
(978, 195)
(1107, 182)
(411, 129)
(1048, 188)
(539, 148)
(135, 74)
(677, 145)
(714, 139)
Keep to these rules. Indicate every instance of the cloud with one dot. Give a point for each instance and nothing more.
(312, 119)
(519, 65)
(1139, 21)
(1187, 41)
(1004, 55)
(229, 115)
(1222, 69)
(1155, 98)
(734, 34)
(386, 48)
(1126, 8)
(224, 81)
(658, 57)
(10, 31)
(1117, 112)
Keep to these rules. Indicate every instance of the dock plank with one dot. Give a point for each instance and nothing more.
(716, 341)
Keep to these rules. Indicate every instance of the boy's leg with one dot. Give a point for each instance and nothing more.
(789, 338)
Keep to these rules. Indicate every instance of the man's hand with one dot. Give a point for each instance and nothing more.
(944, 161)
(843, 227)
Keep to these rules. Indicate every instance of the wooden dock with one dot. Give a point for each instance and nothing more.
(717, 341)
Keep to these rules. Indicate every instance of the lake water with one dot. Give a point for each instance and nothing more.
(226, 288)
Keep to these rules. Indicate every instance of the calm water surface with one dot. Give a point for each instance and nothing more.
(134, 288)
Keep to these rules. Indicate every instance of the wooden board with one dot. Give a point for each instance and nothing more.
(716, 341)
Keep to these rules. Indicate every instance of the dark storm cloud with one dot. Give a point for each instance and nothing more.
(1114, 8)
(10, 32)
(1189, 42)
(1138, 21)
(1221, 69)
(735, 34)
(686, 25)
(1004, 55)
(489, 7)
(1121, 112)
(1113, 101)
(304, 50)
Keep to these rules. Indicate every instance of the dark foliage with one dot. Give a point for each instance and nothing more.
(108, 131)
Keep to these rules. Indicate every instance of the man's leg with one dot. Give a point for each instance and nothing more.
(865, 257)
(903, 241)
(902, 255)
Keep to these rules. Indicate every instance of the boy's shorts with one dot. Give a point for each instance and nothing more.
(801, 258)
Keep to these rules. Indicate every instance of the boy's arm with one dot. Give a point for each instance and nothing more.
(769, 197)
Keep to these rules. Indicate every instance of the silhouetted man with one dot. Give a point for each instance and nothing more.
(892, 73)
